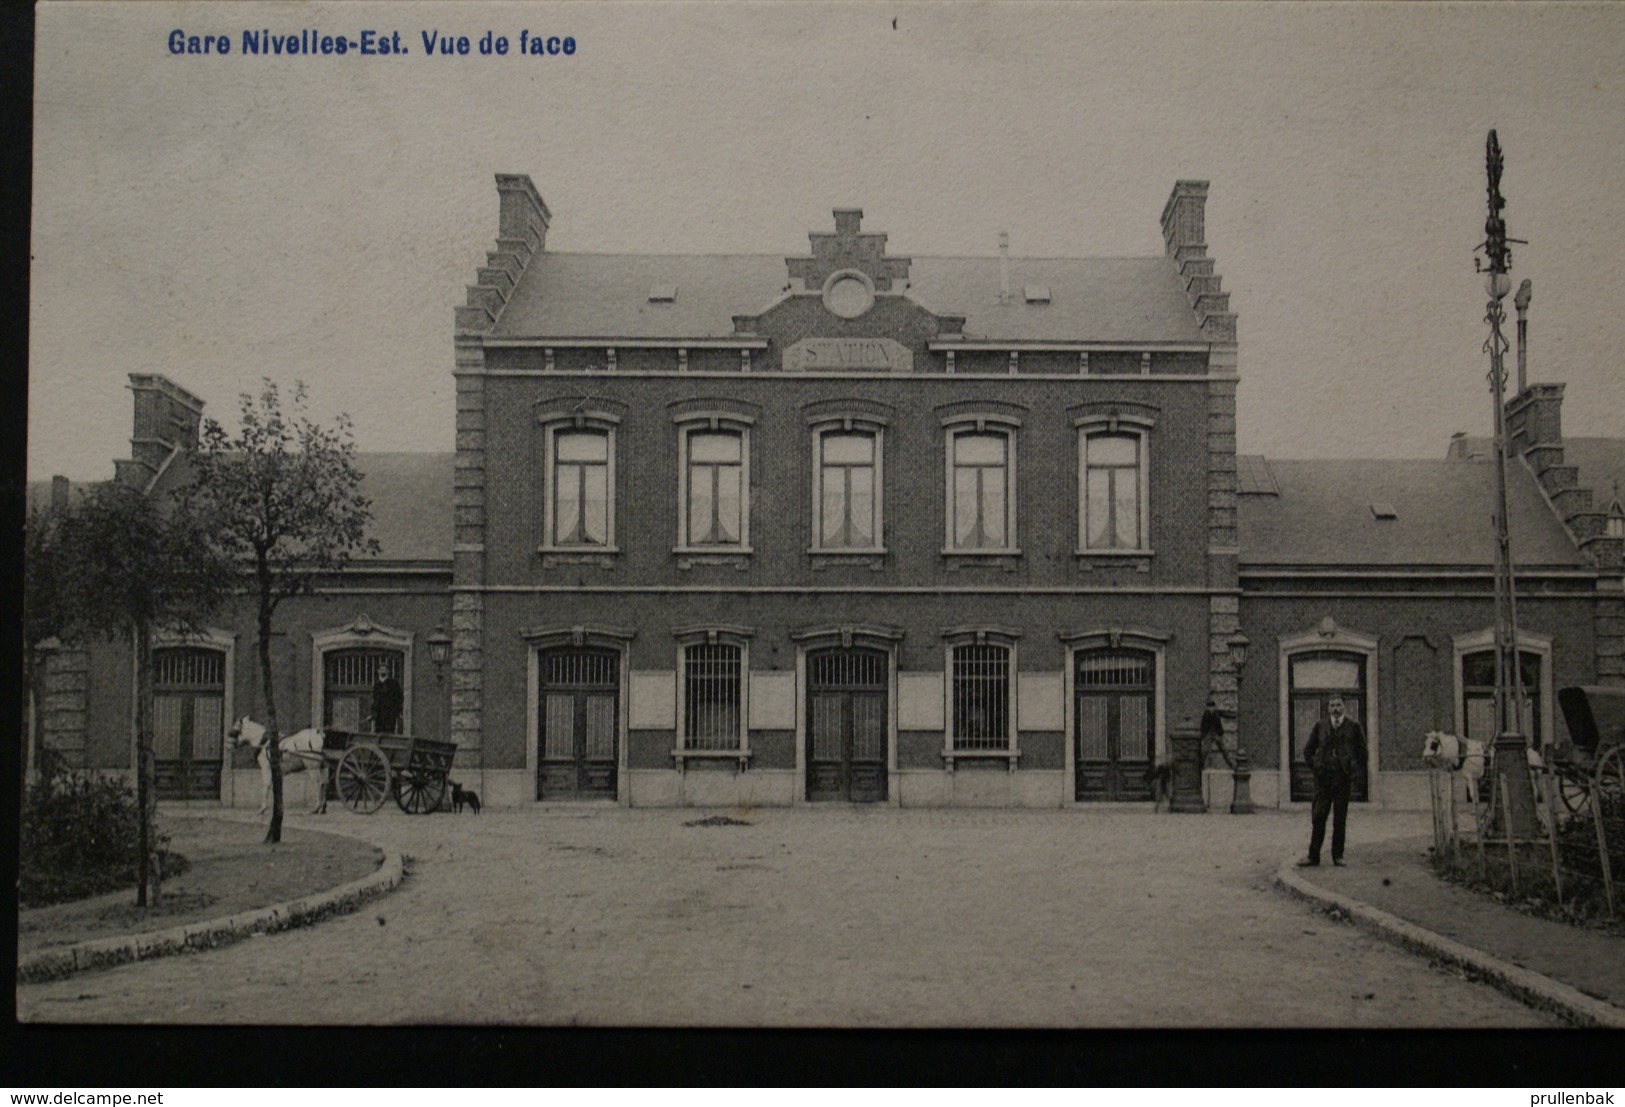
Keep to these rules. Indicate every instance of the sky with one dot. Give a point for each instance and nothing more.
(220, 219)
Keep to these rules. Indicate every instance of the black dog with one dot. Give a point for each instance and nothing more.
(461, 795)
(1160, 779)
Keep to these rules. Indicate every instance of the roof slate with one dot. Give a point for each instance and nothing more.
(1129, 300)
(1323, 517)
(411, 496)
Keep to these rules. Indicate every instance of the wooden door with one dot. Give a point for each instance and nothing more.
(1314, 678)
(846, 725)
(188, 721)
(578, 725)
(1115, 720)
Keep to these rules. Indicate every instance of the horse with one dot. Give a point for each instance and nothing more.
(1466, 757)
(301, 750)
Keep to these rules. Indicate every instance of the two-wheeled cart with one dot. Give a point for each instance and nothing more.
(370, 768)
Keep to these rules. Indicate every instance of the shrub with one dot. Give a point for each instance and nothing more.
(80, 835)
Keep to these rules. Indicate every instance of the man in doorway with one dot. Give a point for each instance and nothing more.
(1335, 751)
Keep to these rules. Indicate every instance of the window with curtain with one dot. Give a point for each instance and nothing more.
(1112, 491)
(848, 502)
(980, 474)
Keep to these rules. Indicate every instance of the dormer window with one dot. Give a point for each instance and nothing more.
(1036, 293)
(662, 293)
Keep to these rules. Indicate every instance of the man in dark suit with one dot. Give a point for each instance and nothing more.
(1335, 752)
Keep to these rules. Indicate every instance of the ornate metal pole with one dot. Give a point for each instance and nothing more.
(1511, 764)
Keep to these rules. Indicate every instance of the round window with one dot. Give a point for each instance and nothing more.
(848, 295)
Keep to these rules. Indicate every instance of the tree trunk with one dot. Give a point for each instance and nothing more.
(273, 736)
(147, 883)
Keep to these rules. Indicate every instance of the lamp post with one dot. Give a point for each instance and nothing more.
(1511, 764)
(1241, 775)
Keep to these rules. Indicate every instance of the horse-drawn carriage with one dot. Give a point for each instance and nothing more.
(1594, 764)
(365, 769)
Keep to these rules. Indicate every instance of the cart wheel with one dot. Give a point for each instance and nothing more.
(419, 792)
(1574, 793)
(363, 779)
(1611, 782)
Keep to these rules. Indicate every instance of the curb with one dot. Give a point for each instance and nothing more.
(1528, 987)
(103, 953)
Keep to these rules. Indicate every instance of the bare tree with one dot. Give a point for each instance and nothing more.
(283, 499)
(127, 565)
(44, 615)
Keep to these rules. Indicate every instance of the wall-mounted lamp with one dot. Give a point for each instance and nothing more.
(439, 644)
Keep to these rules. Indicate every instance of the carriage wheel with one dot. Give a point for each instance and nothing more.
(1611, 782)
(1574, 792)
(419, 792)
(363, 779)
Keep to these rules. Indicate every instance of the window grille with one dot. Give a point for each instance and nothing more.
(981, 697)
(711, 696)
(579, 668)
(847, 669)
(348, 677)
(1108, 679)
(172, 668)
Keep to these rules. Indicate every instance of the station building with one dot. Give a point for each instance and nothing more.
(860, 526)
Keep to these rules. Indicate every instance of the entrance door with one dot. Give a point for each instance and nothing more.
(846, 725)
(1115, 722)
(1315, 678)
(188, 721)
(579, 723)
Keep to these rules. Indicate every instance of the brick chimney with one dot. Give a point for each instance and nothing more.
(522, 222)
(166, 420)
(1184, 234)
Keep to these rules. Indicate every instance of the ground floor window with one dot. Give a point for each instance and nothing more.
(980, 695)
(1478, 695)
(713, 685)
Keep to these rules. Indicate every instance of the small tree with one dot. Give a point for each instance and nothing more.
(283, 499)
(44, 618)
(129, 565)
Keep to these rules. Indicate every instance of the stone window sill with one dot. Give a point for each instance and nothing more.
(823, 559)
(1138, 560)
(1012, 756)
(741, 756)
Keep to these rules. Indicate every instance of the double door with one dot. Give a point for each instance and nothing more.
(846, 725)
(579, 724)
(1115, 724)
(188, 721)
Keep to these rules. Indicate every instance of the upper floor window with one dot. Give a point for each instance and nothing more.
(981, 486)
(579, 483)
(1112, 490)
(714, 482)
(847, 468)
(581, 488)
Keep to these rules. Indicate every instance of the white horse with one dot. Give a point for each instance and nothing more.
(1466, 757)
(300, 751)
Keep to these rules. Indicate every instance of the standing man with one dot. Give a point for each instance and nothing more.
(1335, 751)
